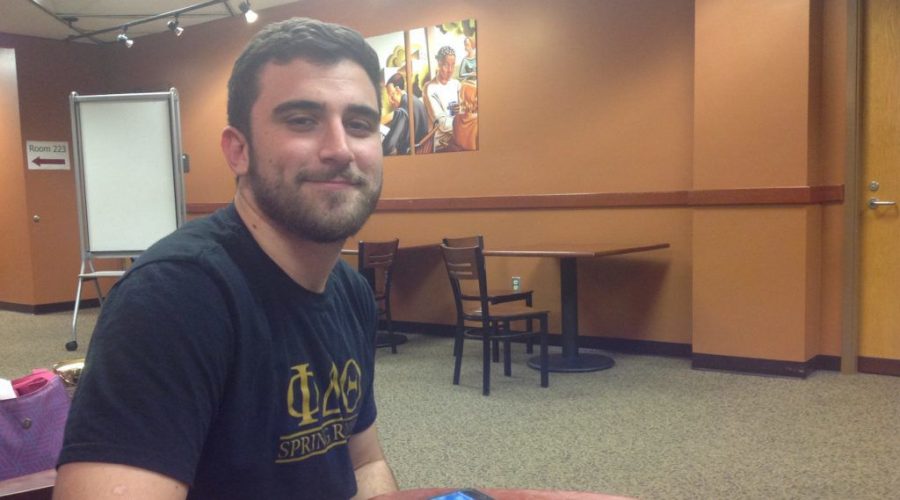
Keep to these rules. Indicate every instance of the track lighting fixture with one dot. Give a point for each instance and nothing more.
(249, 14)
(123, 38)
(174, 27)
(172, 15)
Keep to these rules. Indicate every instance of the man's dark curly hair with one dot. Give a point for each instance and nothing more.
(282, 42)
(444, 52)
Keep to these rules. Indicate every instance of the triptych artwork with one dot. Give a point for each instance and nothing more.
(430, 96)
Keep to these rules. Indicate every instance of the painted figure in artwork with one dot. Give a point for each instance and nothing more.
(442, 98)
(396, 141)
(465, 123)
(467, 68)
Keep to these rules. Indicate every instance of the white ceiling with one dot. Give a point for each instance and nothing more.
(45, 18)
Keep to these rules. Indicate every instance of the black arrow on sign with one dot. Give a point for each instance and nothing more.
(48, 161)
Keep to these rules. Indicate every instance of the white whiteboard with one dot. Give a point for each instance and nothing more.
(128, 163)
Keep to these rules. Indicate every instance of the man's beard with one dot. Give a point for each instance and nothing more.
(343, 214)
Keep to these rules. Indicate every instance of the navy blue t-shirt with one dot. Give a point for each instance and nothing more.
(211, 366)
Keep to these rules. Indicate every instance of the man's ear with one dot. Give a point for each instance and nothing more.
(236, 149)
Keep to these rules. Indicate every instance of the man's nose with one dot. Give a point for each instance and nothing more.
(334, 148)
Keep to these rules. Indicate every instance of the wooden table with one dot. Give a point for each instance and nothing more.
(571, 360)
(37, 486)
(500, 494)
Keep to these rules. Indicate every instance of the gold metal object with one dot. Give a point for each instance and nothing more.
(69, 371)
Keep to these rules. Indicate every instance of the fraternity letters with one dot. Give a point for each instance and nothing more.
(326, 418)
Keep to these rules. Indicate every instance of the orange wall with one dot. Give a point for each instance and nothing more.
(766, 75)
(589, 96)
(59, 68)
(47, 72)
(752, 87)
(595, 96)
(16, 285)
(751, 295)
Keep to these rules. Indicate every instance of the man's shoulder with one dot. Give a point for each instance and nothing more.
(196, 238)
(350, 283)
(347, 274)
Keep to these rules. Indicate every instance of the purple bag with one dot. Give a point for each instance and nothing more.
(32, 425)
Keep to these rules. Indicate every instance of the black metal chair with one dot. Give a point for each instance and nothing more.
(477, 318)
(376, 264)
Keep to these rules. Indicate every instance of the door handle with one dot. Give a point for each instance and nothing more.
(875, 203)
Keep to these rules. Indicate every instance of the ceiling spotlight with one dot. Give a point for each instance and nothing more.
(174, 27)
(124, 40)
(249, 15)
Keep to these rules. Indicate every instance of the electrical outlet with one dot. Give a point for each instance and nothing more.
(516, 283)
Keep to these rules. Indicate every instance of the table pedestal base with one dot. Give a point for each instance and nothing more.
(580, 362)
(385, 339)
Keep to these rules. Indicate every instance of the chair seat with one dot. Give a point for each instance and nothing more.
(506, 311)
(499, 295)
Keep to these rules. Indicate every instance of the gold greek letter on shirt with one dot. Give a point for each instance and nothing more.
(350, 384)
(309, 405)
(331, 400)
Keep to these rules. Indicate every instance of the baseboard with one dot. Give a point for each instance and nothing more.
(698, 361)
(632, 346)
(437, 329)
(607, 344)
(798, 369)
(14, 307)
(879, 366)
(825, 362)
(47, 308)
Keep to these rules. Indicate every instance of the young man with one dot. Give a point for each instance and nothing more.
(235, 359)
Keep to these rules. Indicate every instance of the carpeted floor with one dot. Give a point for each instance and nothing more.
(649, 428)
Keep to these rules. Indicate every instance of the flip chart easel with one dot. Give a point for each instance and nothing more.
(128, 177)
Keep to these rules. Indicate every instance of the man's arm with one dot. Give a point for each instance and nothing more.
(440, 114)
(101, 481)
(373, 475)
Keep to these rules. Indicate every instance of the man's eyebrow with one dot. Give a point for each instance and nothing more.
(364, 111)
(306, 105)
(297, 105)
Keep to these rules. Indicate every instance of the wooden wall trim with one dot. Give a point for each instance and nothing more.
(791, 195)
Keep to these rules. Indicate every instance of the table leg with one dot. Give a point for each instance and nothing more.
(571, 360)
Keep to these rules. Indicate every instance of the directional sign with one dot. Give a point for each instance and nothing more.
(47, 155)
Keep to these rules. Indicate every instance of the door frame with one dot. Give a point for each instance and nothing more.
(853, 171)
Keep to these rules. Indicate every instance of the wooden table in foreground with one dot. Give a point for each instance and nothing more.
(501, 494)
(571, 360)
(37, 486)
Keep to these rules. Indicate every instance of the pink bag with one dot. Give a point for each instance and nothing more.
(32, 425)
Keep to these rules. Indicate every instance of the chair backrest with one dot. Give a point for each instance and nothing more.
(376, 264)
(465, 268)
(465, 241)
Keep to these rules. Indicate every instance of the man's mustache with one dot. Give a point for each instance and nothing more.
(344, 175)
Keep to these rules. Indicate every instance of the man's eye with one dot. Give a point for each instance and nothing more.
(301, 121)
(361, 127)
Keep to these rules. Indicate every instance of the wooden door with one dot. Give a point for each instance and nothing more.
(879, 334)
